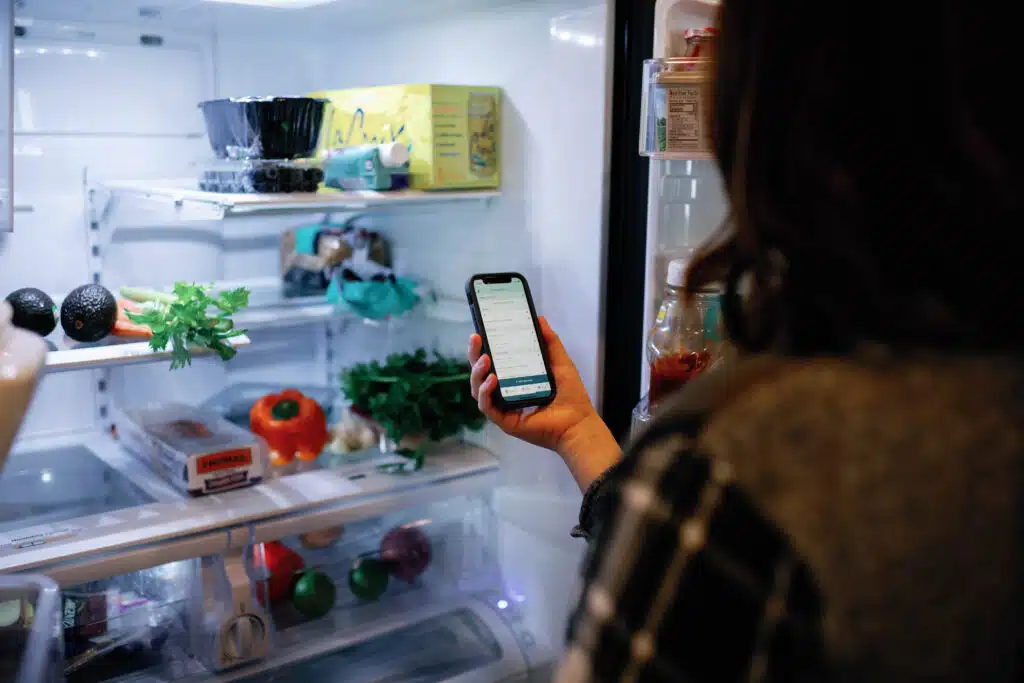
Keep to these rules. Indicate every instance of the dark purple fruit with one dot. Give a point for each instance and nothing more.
(406, 551)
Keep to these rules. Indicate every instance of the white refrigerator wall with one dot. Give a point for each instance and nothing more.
(106, 108)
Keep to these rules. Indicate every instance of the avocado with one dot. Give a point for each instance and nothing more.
(33, 310)
(88, 313)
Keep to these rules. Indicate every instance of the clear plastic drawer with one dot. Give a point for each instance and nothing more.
(29, 650)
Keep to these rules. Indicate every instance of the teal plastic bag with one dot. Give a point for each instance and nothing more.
(374, 299)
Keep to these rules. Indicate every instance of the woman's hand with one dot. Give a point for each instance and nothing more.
(568, 425)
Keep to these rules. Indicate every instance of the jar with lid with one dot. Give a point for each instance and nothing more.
(22, 356)
(685, 336)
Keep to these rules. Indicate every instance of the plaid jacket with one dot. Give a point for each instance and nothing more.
(685, 581)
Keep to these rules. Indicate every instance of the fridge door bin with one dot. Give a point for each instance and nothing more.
(674, 123)
(29, 609)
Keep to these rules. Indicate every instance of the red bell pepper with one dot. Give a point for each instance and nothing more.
(292, 424)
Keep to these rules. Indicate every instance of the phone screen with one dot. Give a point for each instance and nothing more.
(512, 340)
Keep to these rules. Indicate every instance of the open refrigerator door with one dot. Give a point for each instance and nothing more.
(686, 201)
(252, 454)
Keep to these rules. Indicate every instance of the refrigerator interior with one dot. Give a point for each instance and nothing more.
(105, 98)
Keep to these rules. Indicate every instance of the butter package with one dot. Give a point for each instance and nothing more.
(195, 451)
(452, 131)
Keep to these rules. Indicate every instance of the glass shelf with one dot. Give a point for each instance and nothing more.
(54, 486)
(66, 355)
(182, 200)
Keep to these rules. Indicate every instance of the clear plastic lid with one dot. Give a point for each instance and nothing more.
(30, 651)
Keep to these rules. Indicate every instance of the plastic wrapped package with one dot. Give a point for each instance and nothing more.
(30, 652)
(126, 624)
(312, 254)
(263, 127)
(263, 176)
(193, 449)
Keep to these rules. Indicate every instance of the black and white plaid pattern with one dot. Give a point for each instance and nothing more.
(685, 580)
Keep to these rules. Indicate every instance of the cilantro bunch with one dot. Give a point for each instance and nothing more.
(413, 395)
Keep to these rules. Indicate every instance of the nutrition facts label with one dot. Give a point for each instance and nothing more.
(683, 125)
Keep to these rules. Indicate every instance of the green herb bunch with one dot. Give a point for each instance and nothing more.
(189, 318)
(412, 394)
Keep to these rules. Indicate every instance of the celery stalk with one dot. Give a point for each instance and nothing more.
(142, 296)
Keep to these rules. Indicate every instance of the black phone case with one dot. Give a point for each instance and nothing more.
(499, 401)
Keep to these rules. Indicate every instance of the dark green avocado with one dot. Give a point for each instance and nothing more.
(33, 310)
(88, 313)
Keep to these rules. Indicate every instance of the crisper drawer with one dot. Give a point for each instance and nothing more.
(467, 643)
(430, 609)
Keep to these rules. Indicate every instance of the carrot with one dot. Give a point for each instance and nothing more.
(124, 327)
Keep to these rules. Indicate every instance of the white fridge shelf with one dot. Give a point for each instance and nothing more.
(81, 357)
(269, 308)
(105, 540)
(187, 203)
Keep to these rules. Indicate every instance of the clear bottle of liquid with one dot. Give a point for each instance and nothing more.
(678, 348)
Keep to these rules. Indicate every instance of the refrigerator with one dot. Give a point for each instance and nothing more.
(130, 578)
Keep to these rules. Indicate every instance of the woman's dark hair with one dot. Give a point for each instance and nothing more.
(873, 172)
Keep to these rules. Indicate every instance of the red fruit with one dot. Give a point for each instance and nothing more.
(282, 563)
(406, 550)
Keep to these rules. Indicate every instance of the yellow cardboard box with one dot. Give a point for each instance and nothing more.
(453, 131)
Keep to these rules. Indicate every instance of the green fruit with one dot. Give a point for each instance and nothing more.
(33, 310)
(313, 594)
(368, 579)
(88, 313)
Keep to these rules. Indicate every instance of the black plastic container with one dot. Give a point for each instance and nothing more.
(263, 127)
(261, 176)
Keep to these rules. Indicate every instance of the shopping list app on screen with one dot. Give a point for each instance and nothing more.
(512, 339)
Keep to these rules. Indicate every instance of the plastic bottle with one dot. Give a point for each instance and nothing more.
(677, 346)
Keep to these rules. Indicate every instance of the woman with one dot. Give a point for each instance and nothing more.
(845, 501)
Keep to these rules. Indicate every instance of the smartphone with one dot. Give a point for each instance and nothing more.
(506, 320)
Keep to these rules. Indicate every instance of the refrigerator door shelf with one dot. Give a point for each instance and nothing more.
(122, 532)
(675, 124)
